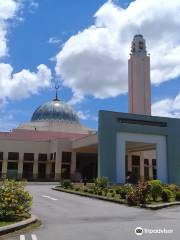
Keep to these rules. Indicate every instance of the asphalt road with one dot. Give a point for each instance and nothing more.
(70, 217)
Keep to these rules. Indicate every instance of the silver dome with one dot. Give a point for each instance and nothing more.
(55, 110)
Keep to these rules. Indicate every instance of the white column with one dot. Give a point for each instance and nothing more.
(4, 165)
(73, 163)
(35, 166)
(20, 165)
(48, 167)
(150, 169)
(141, 166)
(58, 164)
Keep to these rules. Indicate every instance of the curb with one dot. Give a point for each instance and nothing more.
(160, 206)
(90, 196)
(42, 183)
(17, 226)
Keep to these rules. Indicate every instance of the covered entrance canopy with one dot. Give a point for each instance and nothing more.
(86, 156)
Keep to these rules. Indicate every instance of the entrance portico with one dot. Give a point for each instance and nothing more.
(143, 141)
(145, 145)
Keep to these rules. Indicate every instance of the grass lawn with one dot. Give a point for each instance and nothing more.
(2, 223)
(24, 217)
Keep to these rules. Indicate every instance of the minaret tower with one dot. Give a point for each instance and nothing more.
(139, 78)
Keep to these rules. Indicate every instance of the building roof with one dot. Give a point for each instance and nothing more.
(55, 110)
(19, 134)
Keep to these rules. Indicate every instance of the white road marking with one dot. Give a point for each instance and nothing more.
(34, 237)
(22, 237)
(45, 196)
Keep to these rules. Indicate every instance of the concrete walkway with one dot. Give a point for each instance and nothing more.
(71, 217)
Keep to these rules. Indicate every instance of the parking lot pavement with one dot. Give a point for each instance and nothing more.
(66, 217)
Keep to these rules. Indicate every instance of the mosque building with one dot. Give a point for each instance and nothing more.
(49, 147)
(54, 145)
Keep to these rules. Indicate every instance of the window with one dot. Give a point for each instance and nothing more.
(28, 170)
(28, 156)
(146, 161)
(42, 157)
(146, 173)
(66, 157)
(13, 156)
(12, 166)
(154, 162)
(51, 156)
(136, 160)
(41, 171)
(1, 155)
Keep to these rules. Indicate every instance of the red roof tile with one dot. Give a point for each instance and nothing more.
(21, 134)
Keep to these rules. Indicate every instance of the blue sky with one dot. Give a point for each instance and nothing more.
(41, 30)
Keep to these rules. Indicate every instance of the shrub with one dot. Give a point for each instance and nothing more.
(77, 189)
(138, 194)
(91, 191)
(105, 191)
(100, 192)
(85, 189)
(15, 201)
(132, 198)
(156, 189)
(113, 194)
(142, 191)
(111, 190)
(125, 189)
(118, 191)
(109, 195)
(172, 187)
(178, 196)
(101, 182)
(66, 183)
(166, 195)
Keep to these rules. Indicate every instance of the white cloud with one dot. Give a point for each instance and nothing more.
(33, 4)
(94, 61)
(8, 10)
(86, 115)
(168, 107)
(83, 115)
(54, 40)
(24, 83)
(76, 98)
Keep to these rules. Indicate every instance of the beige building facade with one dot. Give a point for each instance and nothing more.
(54, 145)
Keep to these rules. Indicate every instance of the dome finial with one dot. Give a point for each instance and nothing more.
(56, 87)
